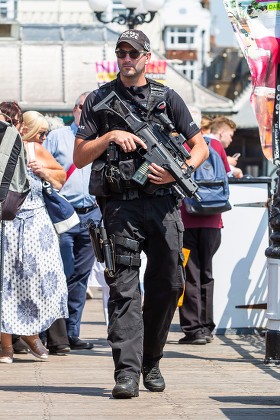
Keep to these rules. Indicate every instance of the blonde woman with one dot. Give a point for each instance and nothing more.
(35, 291)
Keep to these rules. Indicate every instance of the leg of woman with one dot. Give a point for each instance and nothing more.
(35, 345)
(6, 354)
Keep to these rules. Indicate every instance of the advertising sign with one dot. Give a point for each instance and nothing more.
(257, 27)
(107, 71)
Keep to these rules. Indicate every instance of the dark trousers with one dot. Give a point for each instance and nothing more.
(78, 257)
(196, 313)
(137, 337)
(56, 335)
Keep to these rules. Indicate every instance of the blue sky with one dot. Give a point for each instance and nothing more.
(220, 21)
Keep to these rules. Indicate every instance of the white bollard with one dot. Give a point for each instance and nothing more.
(273, 312)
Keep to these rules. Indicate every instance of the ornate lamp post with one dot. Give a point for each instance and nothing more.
(130, 17)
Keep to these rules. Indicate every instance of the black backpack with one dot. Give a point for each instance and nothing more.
(14, 184)
(212, 180)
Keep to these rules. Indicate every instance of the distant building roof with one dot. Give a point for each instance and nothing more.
(244, 115)
(50, 65)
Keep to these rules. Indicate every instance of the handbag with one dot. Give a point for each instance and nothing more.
(61, 212)
(14, 183)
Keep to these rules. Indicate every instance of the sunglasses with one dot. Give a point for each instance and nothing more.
(132, 54)
(80, 106)
(43, 134)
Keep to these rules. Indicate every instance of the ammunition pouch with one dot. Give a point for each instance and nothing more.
(130, 244)
(107, 179)
(119, 177)
(98, 184)
(128, 260)
(127, 244)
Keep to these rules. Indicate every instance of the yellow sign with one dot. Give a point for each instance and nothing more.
(186, 253)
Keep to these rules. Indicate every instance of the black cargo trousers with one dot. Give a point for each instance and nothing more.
(137, 335)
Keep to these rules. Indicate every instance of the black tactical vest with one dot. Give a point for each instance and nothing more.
(141, 108)
(112, 172)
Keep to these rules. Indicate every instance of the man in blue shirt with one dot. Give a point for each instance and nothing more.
(75, 245)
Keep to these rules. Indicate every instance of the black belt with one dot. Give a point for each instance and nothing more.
(85, 210)
(133, 194)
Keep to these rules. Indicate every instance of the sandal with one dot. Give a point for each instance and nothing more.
(35, 346)
(6, 355)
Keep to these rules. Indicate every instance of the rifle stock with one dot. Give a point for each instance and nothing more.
(166, 154)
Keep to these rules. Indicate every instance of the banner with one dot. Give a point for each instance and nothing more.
(257, 27)
(108, 70)
(156, 70)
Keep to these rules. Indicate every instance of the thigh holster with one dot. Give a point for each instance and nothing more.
(127, 251)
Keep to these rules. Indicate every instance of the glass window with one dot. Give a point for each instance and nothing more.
(182, 39)
(187, 68)
(3, 11)
(176, 36)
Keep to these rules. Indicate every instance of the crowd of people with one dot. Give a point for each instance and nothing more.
(46, 277)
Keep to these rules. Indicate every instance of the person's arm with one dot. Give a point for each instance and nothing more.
(185, 125)
(88, 145)
(46, 167)
(199, 152)
(237, 172)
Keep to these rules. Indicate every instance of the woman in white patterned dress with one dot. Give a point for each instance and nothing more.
(35, 291)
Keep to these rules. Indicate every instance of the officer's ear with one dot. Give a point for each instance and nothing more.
(148, 57)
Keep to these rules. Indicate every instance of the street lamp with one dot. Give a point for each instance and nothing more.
(130, 17)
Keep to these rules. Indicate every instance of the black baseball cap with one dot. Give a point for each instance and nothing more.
(137, 39)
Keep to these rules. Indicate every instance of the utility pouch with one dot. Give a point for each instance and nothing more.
(98, 185)
(119, 178)
(113, 179)
(127, 170)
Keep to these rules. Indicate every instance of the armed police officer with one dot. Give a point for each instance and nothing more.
(137, 217)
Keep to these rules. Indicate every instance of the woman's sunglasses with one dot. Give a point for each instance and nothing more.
(43, 134)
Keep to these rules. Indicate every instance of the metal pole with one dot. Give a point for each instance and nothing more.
(272, 337)
(273, 251)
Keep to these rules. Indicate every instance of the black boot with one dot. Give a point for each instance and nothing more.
(152, 377)
(126, 387)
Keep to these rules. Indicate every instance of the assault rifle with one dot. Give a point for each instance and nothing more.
(162, 149)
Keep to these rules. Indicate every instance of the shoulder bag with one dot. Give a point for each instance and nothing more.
(61, 212)
(14, 184)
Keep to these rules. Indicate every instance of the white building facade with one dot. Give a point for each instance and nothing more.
(186, 37)
(180, 30)
(51, 48)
